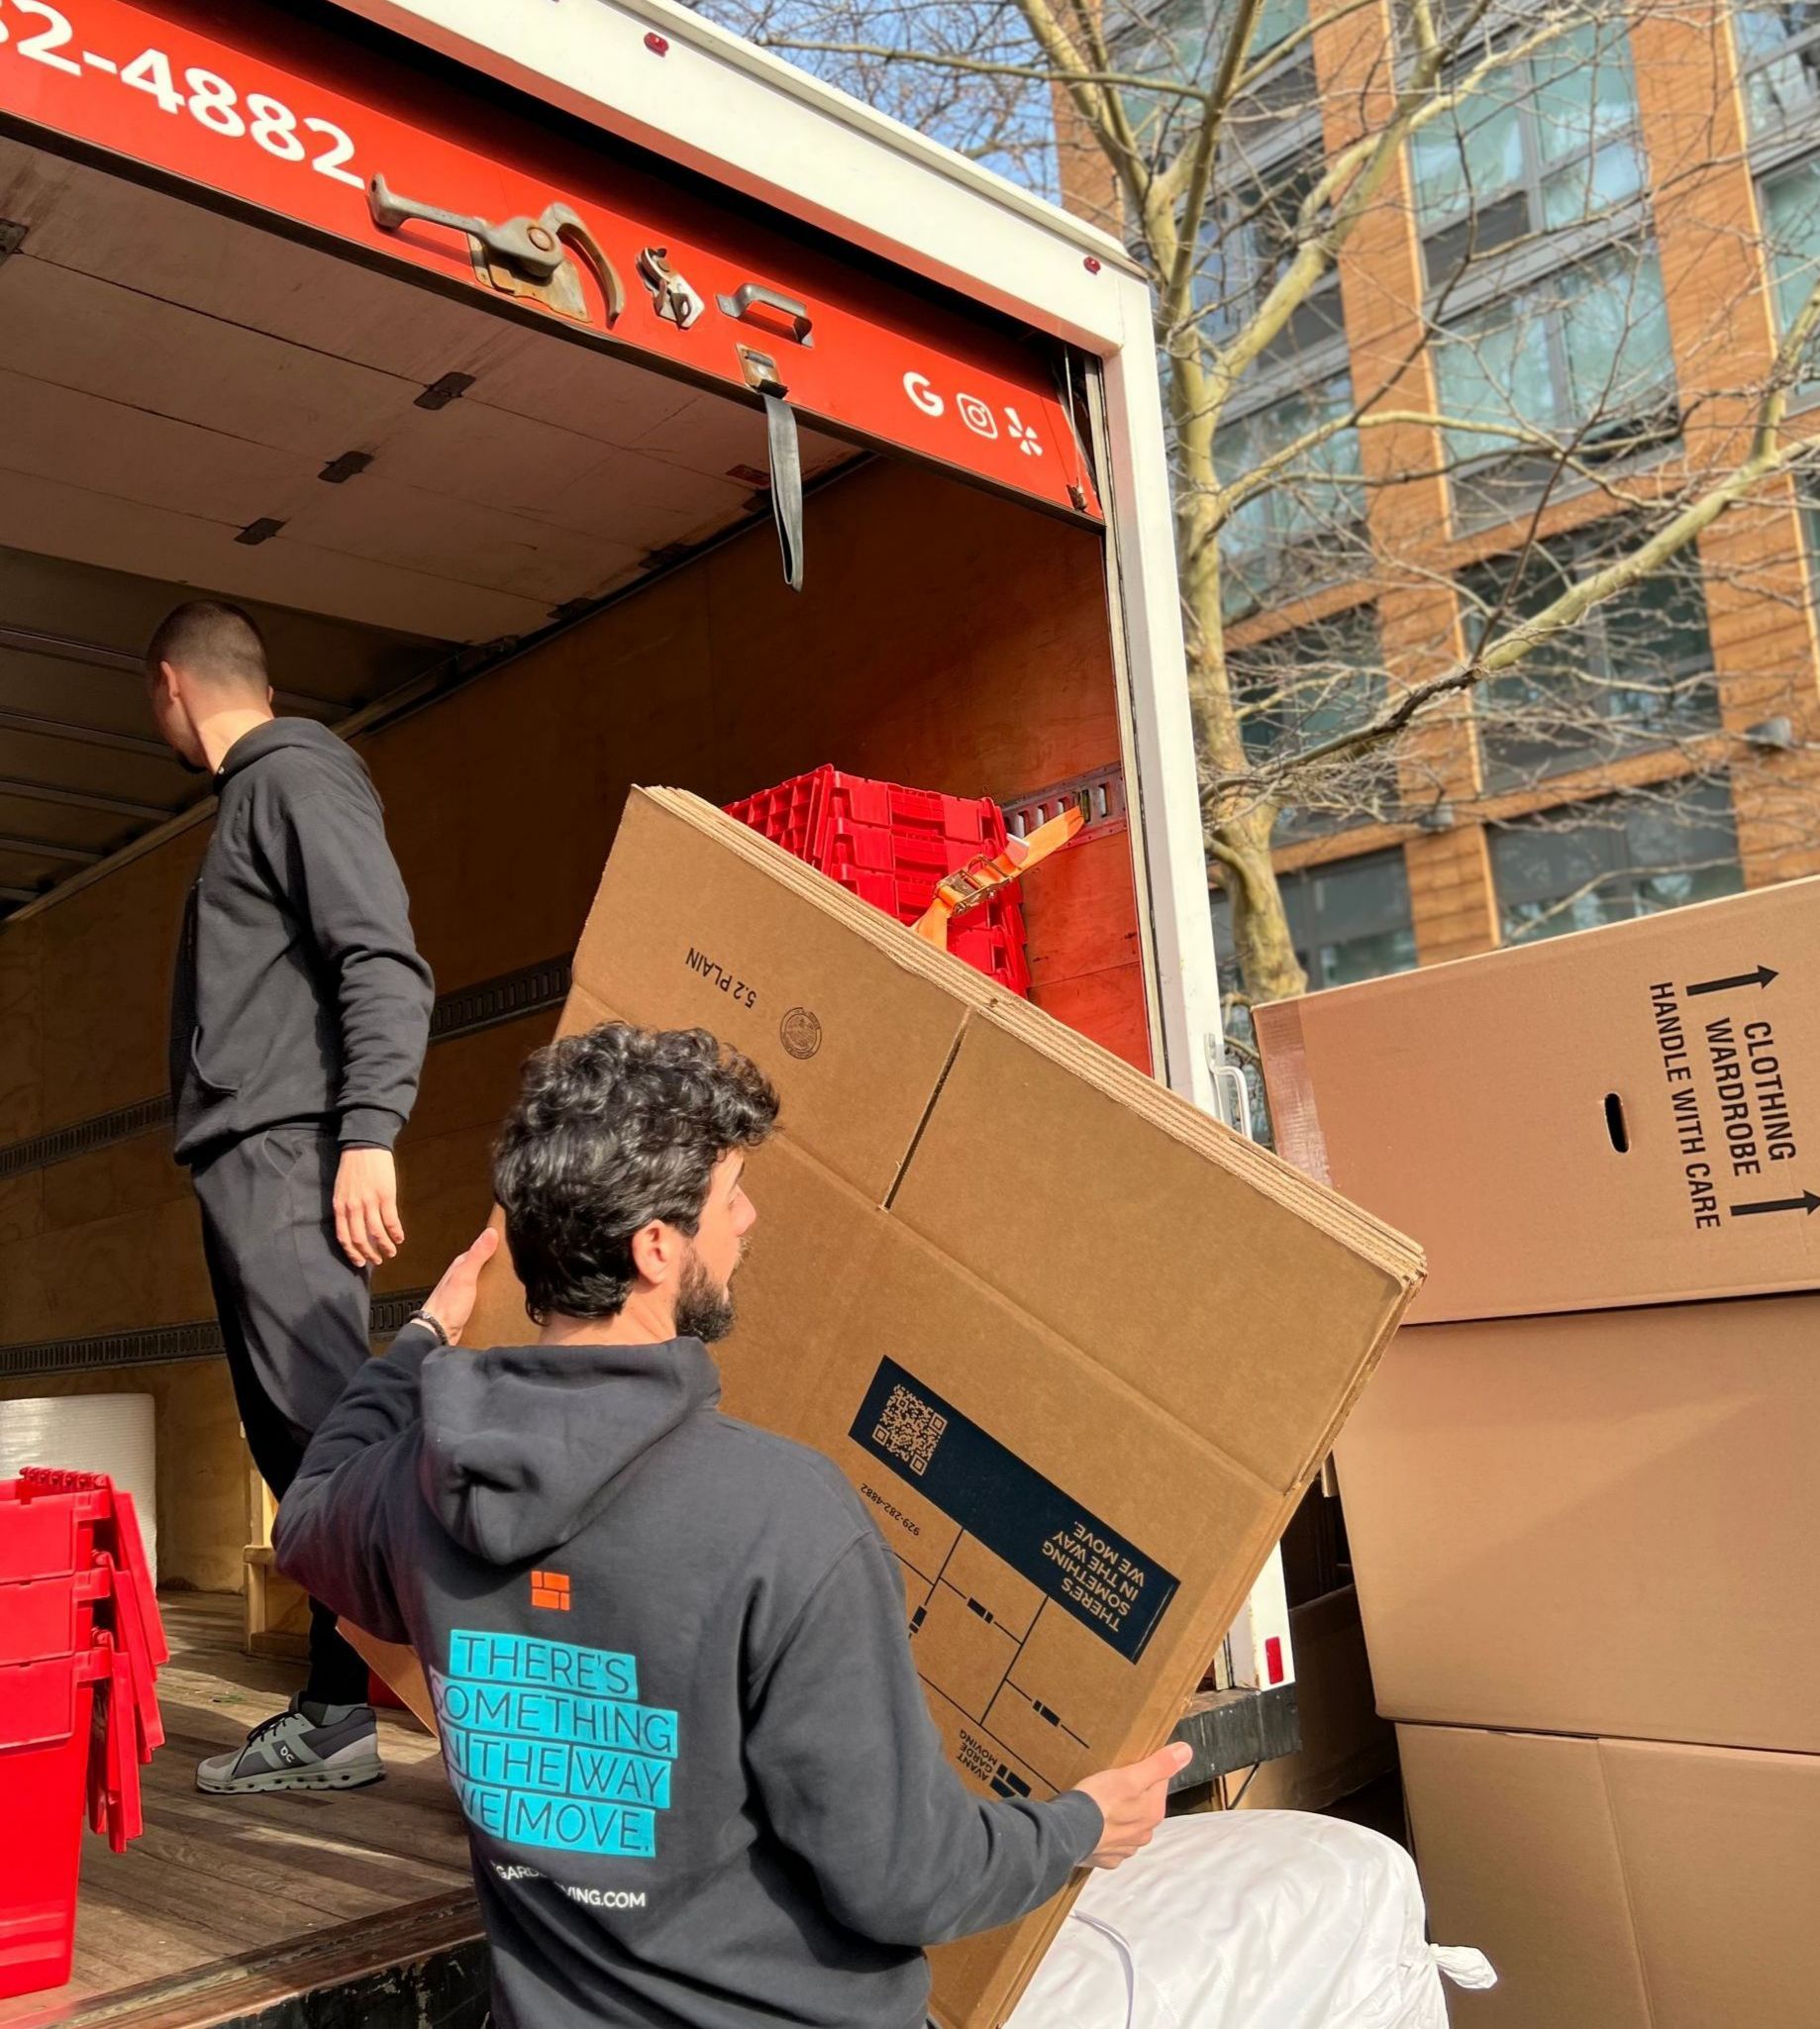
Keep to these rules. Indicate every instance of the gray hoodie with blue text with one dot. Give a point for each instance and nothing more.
(674, 1690)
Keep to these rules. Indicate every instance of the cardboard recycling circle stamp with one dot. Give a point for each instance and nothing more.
(800, 1032)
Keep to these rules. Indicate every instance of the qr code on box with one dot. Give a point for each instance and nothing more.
(909, 1429)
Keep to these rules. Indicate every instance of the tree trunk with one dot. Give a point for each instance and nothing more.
(1239, 844)
(1265, 952)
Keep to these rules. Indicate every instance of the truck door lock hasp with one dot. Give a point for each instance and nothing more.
(672, 296)
(524, 256)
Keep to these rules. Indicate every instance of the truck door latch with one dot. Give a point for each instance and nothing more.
(672, 296)
(524, 256)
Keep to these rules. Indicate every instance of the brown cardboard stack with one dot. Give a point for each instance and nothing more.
(1079, 1348)
(1579, 1491)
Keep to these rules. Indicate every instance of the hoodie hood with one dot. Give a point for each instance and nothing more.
(278, 735)
(524, 1445)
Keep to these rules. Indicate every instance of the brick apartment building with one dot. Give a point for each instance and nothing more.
(1696, 172)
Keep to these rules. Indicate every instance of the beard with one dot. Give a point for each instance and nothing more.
(704, 1307)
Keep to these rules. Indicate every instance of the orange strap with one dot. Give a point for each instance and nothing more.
(971, 884)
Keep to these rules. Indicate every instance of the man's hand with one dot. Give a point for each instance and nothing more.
(1131, 1801)
(366, 1207)
(452, 1301)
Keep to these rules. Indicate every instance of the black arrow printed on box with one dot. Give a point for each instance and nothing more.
(1808, 1202)
(1761, 978)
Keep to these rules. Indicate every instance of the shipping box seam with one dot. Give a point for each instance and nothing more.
(1625, 1885)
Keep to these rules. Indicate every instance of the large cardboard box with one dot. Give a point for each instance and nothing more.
(1079, 1348)
(1621, 1885)
(1630, 1115)
(1596, 1524)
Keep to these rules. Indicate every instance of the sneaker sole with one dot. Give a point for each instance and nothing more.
(356, 1776)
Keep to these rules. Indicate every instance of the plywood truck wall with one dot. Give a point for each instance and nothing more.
(946, 637)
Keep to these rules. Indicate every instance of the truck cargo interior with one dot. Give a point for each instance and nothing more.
(523, 574)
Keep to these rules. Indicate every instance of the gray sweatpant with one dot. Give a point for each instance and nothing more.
(295, 1317)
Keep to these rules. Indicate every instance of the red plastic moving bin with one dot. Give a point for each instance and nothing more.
(80, 1647)
(891, 845)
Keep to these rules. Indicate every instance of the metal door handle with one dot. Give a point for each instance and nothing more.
(533, 247)
(524, 244)
(749, 295)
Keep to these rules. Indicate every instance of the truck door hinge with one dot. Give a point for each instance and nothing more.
(524, 256)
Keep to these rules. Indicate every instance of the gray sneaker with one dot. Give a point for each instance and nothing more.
(304, 1747)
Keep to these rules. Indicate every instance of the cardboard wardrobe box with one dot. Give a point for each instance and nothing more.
(1627, 1115)
(1621, 1885)
(1596, 1524)
(1079, 1348)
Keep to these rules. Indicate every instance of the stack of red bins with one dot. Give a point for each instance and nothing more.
(891, 845)
(80, 1647)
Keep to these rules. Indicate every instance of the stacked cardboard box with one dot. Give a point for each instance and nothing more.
(1579, 1491)
(1079, 1348)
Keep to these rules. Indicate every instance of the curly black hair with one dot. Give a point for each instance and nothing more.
(614, 1129)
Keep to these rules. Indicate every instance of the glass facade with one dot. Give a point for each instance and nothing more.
(1779, 54)
(1547, 140)
(1790, 203)
(1587, 343)
(1621, 857)
(1348, 921)
(1635, 672)
(1315, 509)
(1298, 689)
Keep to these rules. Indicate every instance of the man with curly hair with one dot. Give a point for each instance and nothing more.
(667, 1650)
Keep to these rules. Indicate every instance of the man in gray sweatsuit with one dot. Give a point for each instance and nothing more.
(300, 1012)
(667, 1649)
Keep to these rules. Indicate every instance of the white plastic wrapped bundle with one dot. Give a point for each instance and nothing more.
(1258, 1919)
(111, 1434)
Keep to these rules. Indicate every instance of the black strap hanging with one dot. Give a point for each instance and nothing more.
(787, 485)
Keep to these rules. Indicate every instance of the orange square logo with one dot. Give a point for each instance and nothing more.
(549, 1589)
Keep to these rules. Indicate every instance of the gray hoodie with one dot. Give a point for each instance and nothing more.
(298, 995)
(676, 1691)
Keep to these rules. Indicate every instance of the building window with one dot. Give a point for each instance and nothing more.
(1636, 672)
(1302, 530)
(1779, 56)
(1625, 856)
(1348, 921)
(1547, 141)
(1581, 356)
(1789, 204)
(1252, 233)
(1296, 691)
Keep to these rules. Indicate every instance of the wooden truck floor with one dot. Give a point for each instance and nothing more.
(304, 1911)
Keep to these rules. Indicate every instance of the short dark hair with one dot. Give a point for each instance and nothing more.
(614, 1129)
(219, 642)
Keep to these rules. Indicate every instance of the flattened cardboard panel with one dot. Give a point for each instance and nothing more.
(1596, 1524)
(1692, 1037)
(684, 934)
(1519, 1857)
(1234, 1340)
(1722, 1855)
(814, 1233)
(1620, 1885)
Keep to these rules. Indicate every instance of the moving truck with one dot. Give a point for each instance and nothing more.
(579, 397)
